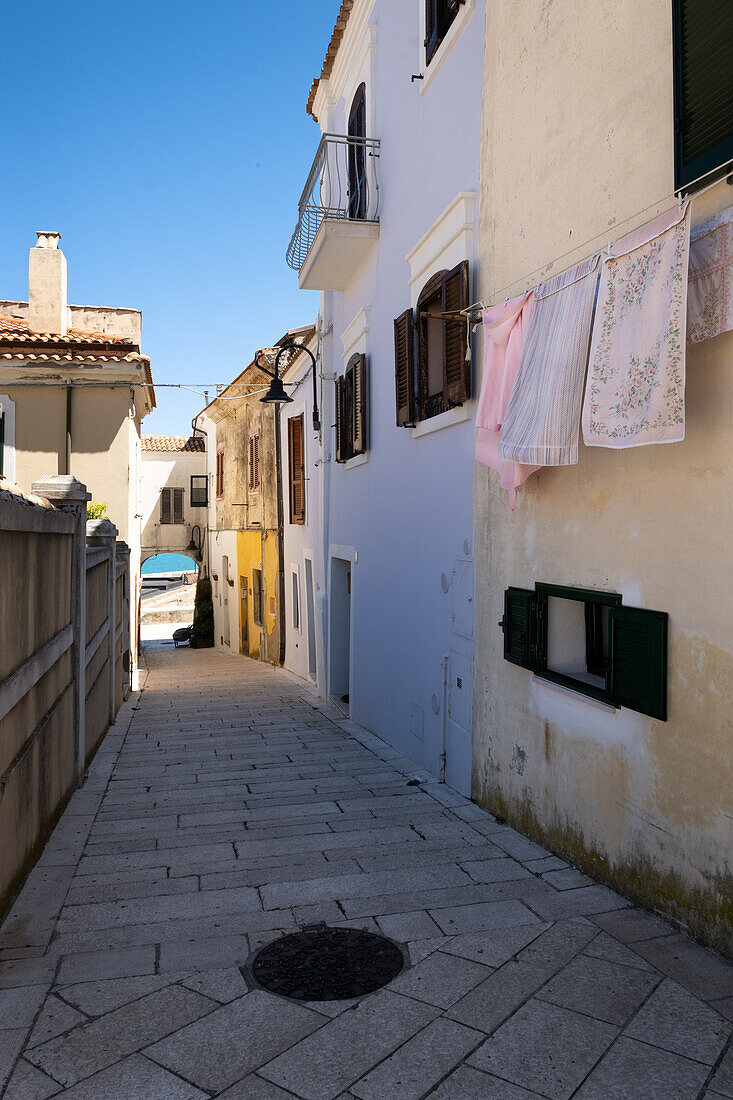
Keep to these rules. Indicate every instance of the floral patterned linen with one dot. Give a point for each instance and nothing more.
(635, 393)
(543, 416)
(505, 331)
(710, 282)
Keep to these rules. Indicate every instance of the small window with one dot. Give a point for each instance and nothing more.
(296, 469)
(257, 602)
(254, 462)
(587, 641)
(171, 506)
(351, 410)
(296, 600)
(220, 472)
(703, 89)
(199, 490)
(432, 369)
(439, 14)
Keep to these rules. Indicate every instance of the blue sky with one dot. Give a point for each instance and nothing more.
(167, 141)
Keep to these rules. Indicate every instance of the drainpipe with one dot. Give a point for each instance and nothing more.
(68, 430)
(444, 664)
(280, 535)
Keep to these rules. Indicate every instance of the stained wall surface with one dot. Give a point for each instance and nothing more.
(577, 147)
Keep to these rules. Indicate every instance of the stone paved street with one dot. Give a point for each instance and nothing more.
(228, 805)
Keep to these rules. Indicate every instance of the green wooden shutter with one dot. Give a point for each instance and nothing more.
(456, 368)
(404, 369)
(520, 627)
(703, 57)
(359, 419)
(638, 658)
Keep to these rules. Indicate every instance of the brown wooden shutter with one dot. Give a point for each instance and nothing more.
(178, 505)
(254, 462)
(456, 369)
(340, 420)
(359, 417)
(220, 473)
(165, 506)
(404, 353)
(296, 471)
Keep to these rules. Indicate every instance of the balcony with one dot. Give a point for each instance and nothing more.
(338, 219)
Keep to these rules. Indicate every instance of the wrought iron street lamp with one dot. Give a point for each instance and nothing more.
(276, 394)
(195, 548)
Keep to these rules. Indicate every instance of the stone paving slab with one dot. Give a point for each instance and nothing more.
(229, 805)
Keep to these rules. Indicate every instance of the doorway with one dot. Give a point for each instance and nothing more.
(243, 617)
(340, 634)
(226, 640)
(311, 616)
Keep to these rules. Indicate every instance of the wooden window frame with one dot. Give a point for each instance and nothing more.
(199, 484)
(172, 505)
(352, 405)
(254, 458)
(716, 159)
(296, 469)
(220, 479)
(636, 642)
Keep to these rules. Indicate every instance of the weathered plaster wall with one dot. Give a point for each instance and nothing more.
(577, 139)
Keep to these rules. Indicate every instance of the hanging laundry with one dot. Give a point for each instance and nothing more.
(543, 417)
(635, 393)
(710, 281)
(505, 331)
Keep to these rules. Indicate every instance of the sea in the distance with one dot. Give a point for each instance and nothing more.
(168, 563)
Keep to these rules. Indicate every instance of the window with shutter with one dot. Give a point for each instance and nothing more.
(296, 469)
(357, 156)
(178, 505)
(351, 410)
(588, 641)
(703, 62)
(404, 356)
(165, 506)
(456, 367)
(439, 14)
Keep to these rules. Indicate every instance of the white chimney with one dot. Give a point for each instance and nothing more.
(47, 310)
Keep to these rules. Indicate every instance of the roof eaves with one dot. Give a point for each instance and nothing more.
(338, 33)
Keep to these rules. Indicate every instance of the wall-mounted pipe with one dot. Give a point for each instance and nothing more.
(445, 665)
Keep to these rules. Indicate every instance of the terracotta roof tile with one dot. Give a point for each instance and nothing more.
(173, 443)
(18, 341)
(338, 33)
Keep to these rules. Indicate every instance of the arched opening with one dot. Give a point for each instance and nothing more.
(168, 563)
(357, 155)
(165, 572)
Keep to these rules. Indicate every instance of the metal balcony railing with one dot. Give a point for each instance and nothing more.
(343, 183)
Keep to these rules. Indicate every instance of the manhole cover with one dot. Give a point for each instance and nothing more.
(327, 964)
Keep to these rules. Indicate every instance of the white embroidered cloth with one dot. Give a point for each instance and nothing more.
(542, 419)
(635, 393)
(710, 280)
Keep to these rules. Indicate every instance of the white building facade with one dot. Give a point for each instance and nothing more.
(174, 494)
(393, 242)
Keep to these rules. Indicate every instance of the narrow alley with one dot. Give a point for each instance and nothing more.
(228, 805)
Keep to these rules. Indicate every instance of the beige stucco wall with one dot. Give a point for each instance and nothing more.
(577, 141)
(168, 470)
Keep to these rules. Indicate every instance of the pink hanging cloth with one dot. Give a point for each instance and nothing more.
(505, 330)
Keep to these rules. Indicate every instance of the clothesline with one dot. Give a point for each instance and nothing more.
(495, 296)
